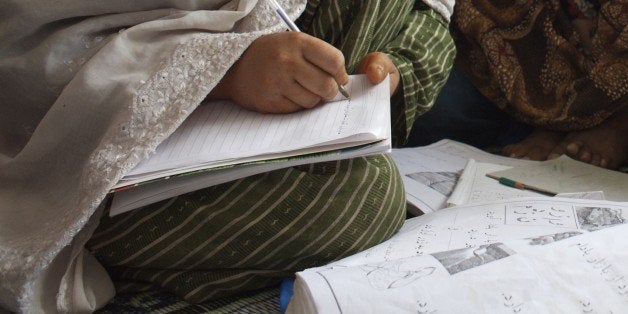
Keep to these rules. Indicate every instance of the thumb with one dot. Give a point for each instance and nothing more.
(375, 72)
(375, 66)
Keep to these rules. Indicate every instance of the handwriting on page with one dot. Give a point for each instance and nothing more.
(482, 195)
(522, 270)
(221, 131)
(601, 265)
(483, 224)
(512, 302)
(553, 215)
(352, 118)
(425, 235)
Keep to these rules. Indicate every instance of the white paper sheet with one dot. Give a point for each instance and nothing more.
(566, 175)
(535, 255)
(221, 133)
(143, 195)
(431, 172)
(474, 186)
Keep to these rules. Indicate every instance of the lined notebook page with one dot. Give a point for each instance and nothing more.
(221, 133)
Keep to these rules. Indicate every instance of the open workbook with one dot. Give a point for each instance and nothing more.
(528, 255)
(452, 173)
(221, 141)
(432, 173)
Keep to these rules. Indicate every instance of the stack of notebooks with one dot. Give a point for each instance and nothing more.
(221, 142)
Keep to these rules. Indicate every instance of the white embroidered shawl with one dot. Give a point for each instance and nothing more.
(87, 90)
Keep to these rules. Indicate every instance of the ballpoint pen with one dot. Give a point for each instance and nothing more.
(293, 27)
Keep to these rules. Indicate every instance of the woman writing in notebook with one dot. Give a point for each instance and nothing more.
(90, 89)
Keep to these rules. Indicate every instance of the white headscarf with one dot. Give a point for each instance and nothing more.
(90, 88)
(87, 90)
(443, 7)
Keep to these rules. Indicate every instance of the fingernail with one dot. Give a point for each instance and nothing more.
(380, 70)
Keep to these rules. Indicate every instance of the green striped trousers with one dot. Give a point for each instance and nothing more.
(250, 233)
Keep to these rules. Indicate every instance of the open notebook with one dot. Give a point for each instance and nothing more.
(529, 255)
(221, 142)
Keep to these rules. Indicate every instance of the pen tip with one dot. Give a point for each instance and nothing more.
(343, 91)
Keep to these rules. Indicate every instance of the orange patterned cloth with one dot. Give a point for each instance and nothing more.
(528, 57)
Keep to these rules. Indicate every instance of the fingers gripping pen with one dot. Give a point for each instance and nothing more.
(293, 27)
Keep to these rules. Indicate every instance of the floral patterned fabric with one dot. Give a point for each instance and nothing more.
(532, 61)
(583, 9)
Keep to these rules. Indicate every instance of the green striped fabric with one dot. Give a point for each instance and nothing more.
(160, 302)
(250, 233)
(414, 36)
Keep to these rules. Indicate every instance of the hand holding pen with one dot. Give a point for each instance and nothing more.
(376, 65)
(284, 72)
(293, 27)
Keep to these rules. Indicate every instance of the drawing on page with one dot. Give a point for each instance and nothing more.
(596, 218)
(396, 274)
(458, 260)
(550, 238)
(442, 182)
